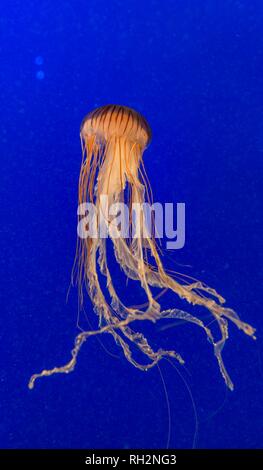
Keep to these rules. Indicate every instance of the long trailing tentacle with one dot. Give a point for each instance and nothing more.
(98, 176)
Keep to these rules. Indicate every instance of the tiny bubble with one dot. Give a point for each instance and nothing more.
(40, 75)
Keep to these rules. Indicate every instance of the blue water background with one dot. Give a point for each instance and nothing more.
(194, 69)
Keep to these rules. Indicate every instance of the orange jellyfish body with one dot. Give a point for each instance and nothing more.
(113, 140)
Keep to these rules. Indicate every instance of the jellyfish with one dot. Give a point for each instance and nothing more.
(114, 139)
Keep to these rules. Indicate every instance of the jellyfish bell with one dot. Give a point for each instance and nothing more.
(113, 141)
(116, 137)
(116, 121)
